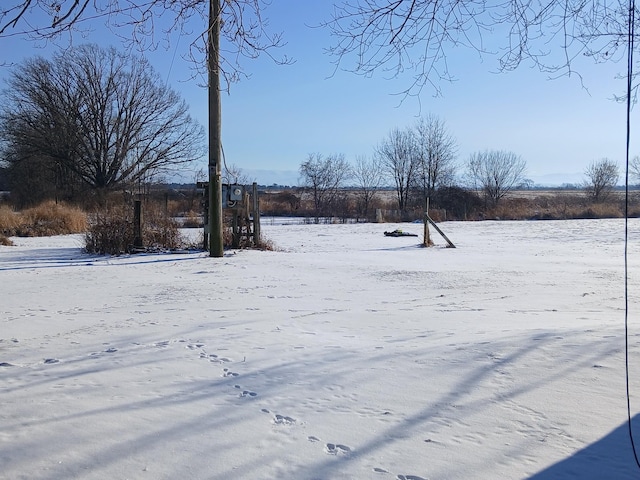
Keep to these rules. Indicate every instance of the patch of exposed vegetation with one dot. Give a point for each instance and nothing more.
(47, 219)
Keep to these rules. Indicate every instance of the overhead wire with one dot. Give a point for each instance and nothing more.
(631, 35)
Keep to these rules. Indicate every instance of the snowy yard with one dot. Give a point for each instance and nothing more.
(343, 355)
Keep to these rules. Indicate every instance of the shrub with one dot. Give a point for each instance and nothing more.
(160, 231)
(111, 231)
(266, 244)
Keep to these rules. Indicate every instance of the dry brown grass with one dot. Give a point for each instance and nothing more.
(5, 241)
(46, 219)
(192, 220)
(111, 231)
(266, 244)
(556, 207)
(10, 221)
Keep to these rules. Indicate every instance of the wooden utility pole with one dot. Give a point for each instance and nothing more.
(216, 246)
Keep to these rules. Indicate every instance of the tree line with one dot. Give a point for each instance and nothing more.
(90, 120)
(421, 164)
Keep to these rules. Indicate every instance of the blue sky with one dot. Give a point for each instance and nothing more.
(274, 119)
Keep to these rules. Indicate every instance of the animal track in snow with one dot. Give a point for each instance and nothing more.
(313, 439)
(229, 373)
(335, 449)
(49, 361)
(409, 477)
(283, 420)
(248, 393)
(212, 357)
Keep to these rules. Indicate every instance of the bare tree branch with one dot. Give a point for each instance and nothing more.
(143, 24)
(416, 37)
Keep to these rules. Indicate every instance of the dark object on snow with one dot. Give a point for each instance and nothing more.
(399, 233)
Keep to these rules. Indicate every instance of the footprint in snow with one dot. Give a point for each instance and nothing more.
(283, 420)
(212, 357)
(335, 449)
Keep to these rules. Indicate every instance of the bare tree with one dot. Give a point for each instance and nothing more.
(368, 178)
(416, 36)
(397, 154)
(235, 174)
(495, 173)
(323, 177)
(601, 178)
(634, 170)
(436, 151)
(96, 117)
(149, 24)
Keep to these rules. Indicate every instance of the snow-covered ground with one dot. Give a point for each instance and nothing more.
(344, 354)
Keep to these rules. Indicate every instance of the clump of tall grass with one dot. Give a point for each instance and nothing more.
(10, 221)
(5, 241)
(46, 219)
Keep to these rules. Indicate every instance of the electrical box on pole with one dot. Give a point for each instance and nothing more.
(241, 209)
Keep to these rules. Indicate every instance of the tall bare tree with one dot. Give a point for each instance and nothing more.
(95, 114)
(495, 173)
(368, 177)
(416, 36)
(323, 177)
(436, 151)
(397, 154)
(601, 178)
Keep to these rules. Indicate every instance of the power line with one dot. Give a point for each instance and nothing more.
(631, 34)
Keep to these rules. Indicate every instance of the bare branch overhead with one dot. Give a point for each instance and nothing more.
(419, 37)
(146, 24)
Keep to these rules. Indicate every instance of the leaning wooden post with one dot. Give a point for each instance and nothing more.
(427, 237)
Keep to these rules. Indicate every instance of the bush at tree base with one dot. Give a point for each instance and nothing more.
(112, 231)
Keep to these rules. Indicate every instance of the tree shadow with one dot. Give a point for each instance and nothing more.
(609, 457)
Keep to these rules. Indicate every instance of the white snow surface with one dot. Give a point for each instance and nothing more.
(344, 354)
